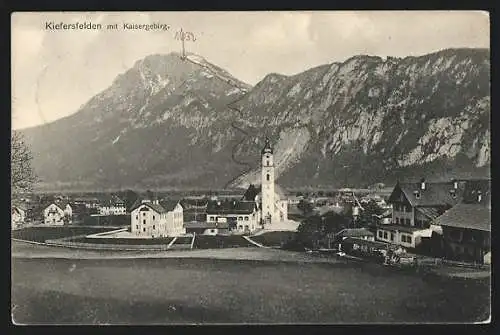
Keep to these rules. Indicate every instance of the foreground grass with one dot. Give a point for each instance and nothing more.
(41, 234)
(165, 291)
(274, 238)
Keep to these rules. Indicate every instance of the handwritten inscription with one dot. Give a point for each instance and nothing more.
(182, 35)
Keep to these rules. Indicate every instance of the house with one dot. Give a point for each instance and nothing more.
(414, 207)
(112, 205)
(154, 218)
(58, 213)
(19, 212)
(294, 200)
(240, 215)
(466, 227)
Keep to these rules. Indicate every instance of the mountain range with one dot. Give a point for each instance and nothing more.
(182, 122)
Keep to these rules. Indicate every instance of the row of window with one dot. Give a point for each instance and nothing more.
(402, 208)
(240, 218)
(385, 235)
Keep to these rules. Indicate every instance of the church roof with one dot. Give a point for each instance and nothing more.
(267, 147)
(252, 191)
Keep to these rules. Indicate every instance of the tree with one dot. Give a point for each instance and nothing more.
(22, 175)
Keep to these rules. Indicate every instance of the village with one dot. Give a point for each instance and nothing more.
(409, 222)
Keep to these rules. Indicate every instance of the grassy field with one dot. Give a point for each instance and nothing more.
(165, 291)
(219, 241)
(274, 238)
(41, 234)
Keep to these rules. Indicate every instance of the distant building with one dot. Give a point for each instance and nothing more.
(467, 226)
(112, 205)
(19, 213)
(155, 218)
(58, 213)
(238, 215)
(414, 207)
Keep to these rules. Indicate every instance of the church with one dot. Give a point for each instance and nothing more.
(269, 196)
(262, 206)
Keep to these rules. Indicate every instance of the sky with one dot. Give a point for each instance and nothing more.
(55, 72)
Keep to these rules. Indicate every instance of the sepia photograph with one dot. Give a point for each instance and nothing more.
(258, 167)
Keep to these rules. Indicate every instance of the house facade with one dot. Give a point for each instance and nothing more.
(239, 215)
(58, 214)
(414, 207)
(466, 227)
(112, 205)
(153, 218)
(18, 215)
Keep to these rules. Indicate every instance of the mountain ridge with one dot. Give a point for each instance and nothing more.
(337, 114)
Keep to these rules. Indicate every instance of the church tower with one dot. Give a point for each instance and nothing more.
(268, 201)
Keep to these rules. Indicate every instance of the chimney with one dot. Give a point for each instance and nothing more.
(479, 196)
(422, 184)
(455, 184)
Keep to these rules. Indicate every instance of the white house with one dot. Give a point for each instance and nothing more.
(18, 215)
(235, 215)
(58, 213)
(157, 218)
(112, 205)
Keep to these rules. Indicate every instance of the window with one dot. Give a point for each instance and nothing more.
(268, 177)
(417, 195)
(408, 239)
(379, 233)
(143, 221)
(403, 238)
(385, 234)
(240, 227)
(153, 217)
(392, 237)
(267, 162)
(144, 229)
(143, 214)
(246, 218)
(212, 230)
(137, 227)
(404, 208)
(137, 217)
(154, 227)
(240, 218)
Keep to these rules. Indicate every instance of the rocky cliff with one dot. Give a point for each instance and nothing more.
(169, 122)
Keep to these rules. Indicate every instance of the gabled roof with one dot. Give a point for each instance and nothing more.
(431, 212)
(61, 204)
(163, 206)
(468, 216)
(434, 194)
(254, 190)
(230, 207)
(20, 205)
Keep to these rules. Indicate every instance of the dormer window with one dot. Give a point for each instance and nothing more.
(417, 194)
(453, 193)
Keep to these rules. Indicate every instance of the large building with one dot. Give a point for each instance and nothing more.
(153, 218)
(235, 215)
(414, 207)
(467, 226)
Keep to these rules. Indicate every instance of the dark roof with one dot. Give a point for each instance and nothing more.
(267, 147)
(430, 212)
(160, 207)
(20, 205)
(230, 207)
(434, 194)
(198, 203)
(190, 215)
(112, 200)
(468, 216)
(254, 190)
(251, 193)
(355, 232)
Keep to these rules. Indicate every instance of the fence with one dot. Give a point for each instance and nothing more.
(113, 247)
